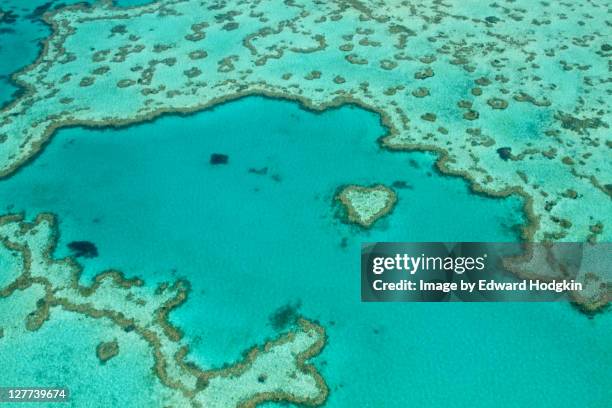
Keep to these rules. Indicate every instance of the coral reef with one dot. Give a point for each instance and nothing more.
(514, 76)
(107, 350)
(511, 97)
(366, 205)
(132, 306)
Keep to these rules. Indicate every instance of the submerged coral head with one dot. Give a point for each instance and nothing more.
(85, 249)
(219, 158)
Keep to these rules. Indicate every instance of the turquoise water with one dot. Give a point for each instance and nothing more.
(154, 206)
(149, 199)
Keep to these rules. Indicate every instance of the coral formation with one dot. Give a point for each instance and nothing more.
(530, 86)
(107, 350)
(132, 306)
(506, 95)
(365, 205)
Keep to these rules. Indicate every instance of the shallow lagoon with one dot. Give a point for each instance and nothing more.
(251, 243)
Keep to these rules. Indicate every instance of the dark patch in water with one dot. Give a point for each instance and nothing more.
(285, 315)
(261, 172)
(201, 383)
(85, 249)
(8, 17)
(344, 242)
(504, 152)
(219, 158)
(40, 10)
(401, 184)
